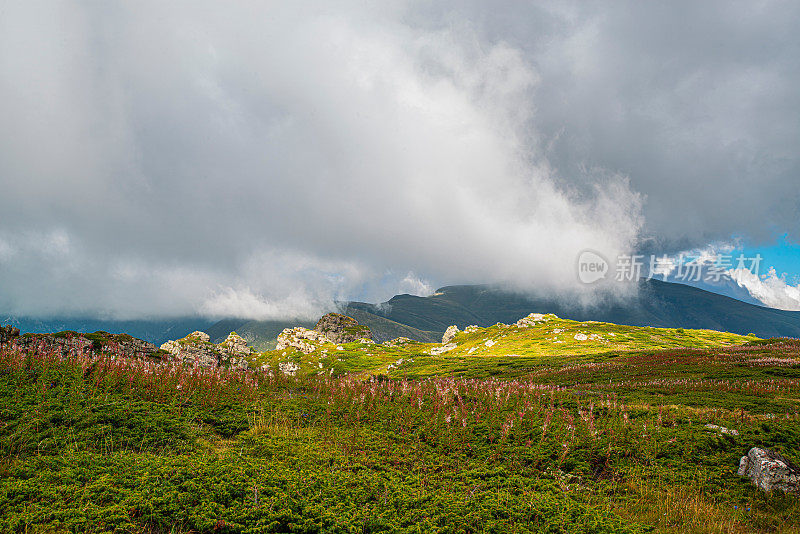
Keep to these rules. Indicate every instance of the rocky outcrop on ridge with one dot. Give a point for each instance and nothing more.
(196, 349)
(532, 319)
(449, 334)
(340, 328)
(301, 339)
(331, 328)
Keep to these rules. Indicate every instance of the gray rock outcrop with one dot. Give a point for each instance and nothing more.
(301, 339)
(770, 471)
(340, 328)
(197, 349)
(449, 334)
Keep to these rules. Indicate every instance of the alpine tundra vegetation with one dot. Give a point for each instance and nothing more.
(544, 425)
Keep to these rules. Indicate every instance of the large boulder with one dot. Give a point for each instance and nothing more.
(342, 329)
(770, 471)
(449, 334)
(234, 351)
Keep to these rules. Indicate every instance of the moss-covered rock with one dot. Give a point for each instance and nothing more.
(197, 349)
(340, 328)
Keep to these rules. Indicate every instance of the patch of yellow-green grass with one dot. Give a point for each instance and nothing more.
(531, 342)
(335, 360)
(553, 336)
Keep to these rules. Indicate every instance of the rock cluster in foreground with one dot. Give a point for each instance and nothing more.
(197, 349)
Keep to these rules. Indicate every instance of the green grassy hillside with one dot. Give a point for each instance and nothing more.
(590, 437)
(494, 351)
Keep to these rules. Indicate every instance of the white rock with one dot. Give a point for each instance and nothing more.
(769, 470)
(722, 429)
(201, 336)
(581, 337)
(444, 348)
(288, 368)
(531, 320)
(449, 334)
(300, 338)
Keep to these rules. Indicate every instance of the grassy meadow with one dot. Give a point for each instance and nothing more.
(603, 434)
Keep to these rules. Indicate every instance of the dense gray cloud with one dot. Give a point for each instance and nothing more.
(697, 102)
(266, 159)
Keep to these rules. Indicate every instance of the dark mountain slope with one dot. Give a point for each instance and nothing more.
(657, 304)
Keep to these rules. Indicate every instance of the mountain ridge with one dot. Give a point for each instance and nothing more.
(657, 303)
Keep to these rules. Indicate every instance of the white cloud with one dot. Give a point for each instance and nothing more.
(710, 255)
(770, 288)
(414, 285)
(6, 250)
(243, 302)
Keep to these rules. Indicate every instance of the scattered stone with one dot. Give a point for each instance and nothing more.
(398, 342)
(444, 348)
(490, 342)
(769, 471)
(722, 429)
(340, 328)
(398, 363)
(288, 368)
(449, 334)
(581, 337)
(471, 328)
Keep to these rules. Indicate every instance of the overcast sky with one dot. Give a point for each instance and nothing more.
(263, 159)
